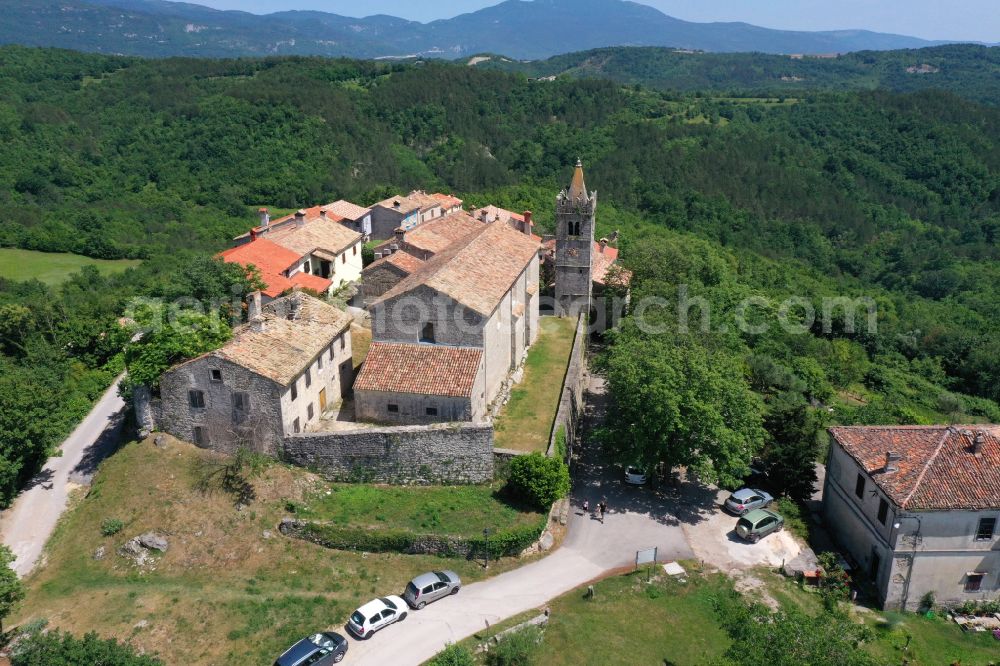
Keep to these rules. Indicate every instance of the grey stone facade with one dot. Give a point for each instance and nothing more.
(571, 402)
(575, 214)
(451, 453)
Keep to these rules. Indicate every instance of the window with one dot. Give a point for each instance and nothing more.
(393, 409)
(331, 352)
(295, 426)
(343, 341)
(973, 581)
(309, 412)
(241, 405)
(197, 399)
(883, 510)
(432, 411)
(427, 334)
(215, 374)
(309, 379)
(354, 250)
(859, 487)
(319, 362)
(295, 390)
(986, 528)
(201, 436)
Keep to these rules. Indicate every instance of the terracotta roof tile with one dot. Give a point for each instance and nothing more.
(404, 261)
(420, 368)
(272, 260)
(602, 260)
(435, 235)
(937, 469)
(316, 234)
(448, 200)
(476, 271)
(346, 210)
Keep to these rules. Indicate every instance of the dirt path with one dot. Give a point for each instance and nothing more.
(28, 523)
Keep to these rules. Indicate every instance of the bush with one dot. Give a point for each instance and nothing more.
(55, 648)
(516, 649)
(111, 526)
(792, 512)
(453, 655)
(537, 480)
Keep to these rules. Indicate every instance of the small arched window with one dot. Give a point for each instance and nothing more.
(427, 334)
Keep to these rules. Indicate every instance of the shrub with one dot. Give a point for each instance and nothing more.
(515, 649)
(561, 448)
(55, 647)
(111, 526)
(792, 512)
(537, 480)
(453, 655)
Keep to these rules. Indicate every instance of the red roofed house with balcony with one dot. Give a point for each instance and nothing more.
(918, 509)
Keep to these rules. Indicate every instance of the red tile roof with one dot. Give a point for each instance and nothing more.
(316, 233)
(272, 261)
(420, 368)
(448, 200)
(405, 262)
(937, 469)
(435, 235)
(602, 261)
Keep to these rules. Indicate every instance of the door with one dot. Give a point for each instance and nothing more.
(322, 400)
(440, 590)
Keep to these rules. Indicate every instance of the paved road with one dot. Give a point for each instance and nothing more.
(636, 521)
(27, 525)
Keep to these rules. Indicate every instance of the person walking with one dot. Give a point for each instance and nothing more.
(603, 506)
(586, 507)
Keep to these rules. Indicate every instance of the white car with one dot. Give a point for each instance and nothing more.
(635, 476)
(375, 615)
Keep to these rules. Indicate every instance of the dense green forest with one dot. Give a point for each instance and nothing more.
(890, 196)
(967, 70)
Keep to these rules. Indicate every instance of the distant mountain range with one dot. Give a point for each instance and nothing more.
(516, 28)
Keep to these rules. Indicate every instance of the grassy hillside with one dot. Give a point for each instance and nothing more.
(229, 589)
(970, 71)
(53, 268)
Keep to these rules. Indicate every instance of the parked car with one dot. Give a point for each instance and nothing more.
(635, 476)
(376, 614)
(316, 650)
(746, 500)
(431, 586)
(757, 524)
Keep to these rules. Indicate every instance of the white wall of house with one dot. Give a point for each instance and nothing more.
(332, 370)
(942, 554)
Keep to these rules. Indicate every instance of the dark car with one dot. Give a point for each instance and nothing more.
(318, 650)
(432, 586)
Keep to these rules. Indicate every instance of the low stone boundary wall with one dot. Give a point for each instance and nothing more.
(501, 544)
(571, 401)
(438, 453)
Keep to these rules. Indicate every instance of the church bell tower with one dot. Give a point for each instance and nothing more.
(575, 210)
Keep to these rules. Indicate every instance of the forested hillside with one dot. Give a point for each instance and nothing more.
(966, 70)
(896, 197)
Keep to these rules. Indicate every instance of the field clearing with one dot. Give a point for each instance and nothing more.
(53, 268)
(230, 589)
(525, 422)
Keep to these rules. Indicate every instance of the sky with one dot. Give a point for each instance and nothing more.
(973, 20)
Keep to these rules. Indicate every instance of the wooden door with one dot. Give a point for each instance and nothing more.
(322, 400)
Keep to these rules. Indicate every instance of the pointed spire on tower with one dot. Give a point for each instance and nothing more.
(578, 189)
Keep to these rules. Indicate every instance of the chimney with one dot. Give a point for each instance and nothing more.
(322, 213)
(253, 305)
(400, 234)
(253, 235)
(614, 236)
(891, 458)
(395, 203)
(257, 324)
(300, 218)
(527, 222)
(977, 443)
(295, 304)
(265, 217)
(604, 244)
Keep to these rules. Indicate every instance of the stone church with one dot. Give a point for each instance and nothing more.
(574, 247)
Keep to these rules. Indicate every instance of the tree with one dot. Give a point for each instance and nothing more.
(762, 637)
(538, 480)
(677, 403)
(170, 342)
(56, 648)
(791, 449)
(11, 588)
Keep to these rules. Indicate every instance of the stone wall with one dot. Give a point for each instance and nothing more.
(571, 403)
(439, 453)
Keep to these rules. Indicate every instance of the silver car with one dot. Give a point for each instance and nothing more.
(746, 500)
(431, 586)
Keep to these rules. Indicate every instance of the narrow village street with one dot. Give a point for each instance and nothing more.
(27, 525)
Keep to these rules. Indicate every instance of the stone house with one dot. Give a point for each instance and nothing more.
(385, 273)
(449, 203)
(519, 221)
(429, 238)
(917, 507)
(351, 216)
(421, 383)
(480, 293)
(275, 377)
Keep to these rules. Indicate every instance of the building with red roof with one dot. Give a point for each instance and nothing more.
(281, 269)
(917, 508)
